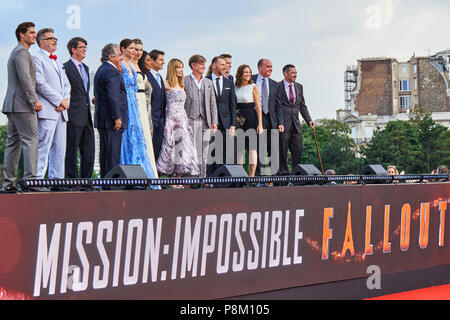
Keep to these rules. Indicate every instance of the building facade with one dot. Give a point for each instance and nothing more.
(379, 90)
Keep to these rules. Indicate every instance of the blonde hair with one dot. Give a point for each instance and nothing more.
(393, 167)
(171, 76)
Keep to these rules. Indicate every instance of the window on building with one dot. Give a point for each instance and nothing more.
(416, 84)
(415, 67)
(405, 102)
(369, 132)
(405, 85)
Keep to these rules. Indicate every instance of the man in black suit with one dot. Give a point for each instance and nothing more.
(158, 101)
(226, 108)
(291, 100)
(111, 110)
(80, 131)
(272, 115)
(227, 74)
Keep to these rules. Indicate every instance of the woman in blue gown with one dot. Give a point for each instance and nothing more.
(134, 149)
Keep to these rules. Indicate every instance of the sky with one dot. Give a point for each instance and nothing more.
(320, 38)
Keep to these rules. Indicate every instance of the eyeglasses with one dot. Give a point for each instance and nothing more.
(52, 38)
(82, 47)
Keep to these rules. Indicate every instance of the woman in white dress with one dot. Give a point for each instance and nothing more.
(141, 79)
(249, 108)
(145, 64)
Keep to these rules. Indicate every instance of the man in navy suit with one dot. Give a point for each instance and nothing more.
(272, 114)
(226, 108)
(80, 131)
(111, 110)
(158, 101)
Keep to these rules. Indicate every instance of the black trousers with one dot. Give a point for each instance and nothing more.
(80, 138)
(110, 145)
(290, 139)
(229, 155)
(267, 151)
(158, 135)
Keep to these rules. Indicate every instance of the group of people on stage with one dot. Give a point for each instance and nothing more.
(170, 126)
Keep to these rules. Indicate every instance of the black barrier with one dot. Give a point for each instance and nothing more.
(92, 184)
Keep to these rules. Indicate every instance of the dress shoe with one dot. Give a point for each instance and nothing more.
(60, 189)
(38, 189)
(10, 189)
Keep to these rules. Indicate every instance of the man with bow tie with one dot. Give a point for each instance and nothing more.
(53, 90)
(80, 131)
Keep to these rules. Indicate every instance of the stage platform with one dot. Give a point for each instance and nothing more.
(349, 241)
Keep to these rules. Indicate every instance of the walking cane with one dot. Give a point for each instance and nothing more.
(318, 152)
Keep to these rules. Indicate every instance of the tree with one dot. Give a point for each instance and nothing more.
(397, 144)
(415, 146)
(337, 149)
(3, 139)
(429, 134)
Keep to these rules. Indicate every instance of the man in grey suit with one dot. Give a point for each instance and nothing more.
(53, 90)
(201, 109)
(20, 106)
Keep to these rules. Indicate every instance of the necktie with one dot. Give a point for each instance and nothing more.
(291, 95)
(218, 86)
(158, 78)
(52, 56)
(84, 76)
(265, 97)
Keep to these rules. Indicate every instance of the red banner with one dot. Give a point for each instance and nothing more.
(215, 243)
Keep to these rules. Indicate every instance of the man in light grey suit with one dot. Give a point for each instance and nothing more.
(201, 109)
(53, 90)
(20, 106)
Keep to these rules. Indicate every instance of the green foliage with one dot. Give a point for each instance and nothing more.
(337, 149)
(417, 146)
(3, 139)
(396, 145)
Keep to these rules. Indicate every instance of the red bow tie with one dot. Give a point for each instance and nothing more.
(52, 56)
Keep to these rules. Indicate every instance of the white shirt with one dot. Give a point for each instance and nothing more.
(286, 88)
(77, 64)
(214, 77)
(197, 83)
(45, 52)
(112, 64)
(157, 77)
(259, 81)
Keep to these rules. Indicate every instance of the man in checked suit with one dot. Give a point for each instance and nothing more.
(291, 100)
(201, 109)
(53, 90)
(21, 106)
(80, 131)
(272, 116)
(226, 107)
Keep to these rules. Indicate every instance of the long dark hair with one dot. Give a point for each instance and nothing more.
(240, 72)
(125, 43)
(141, 62)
